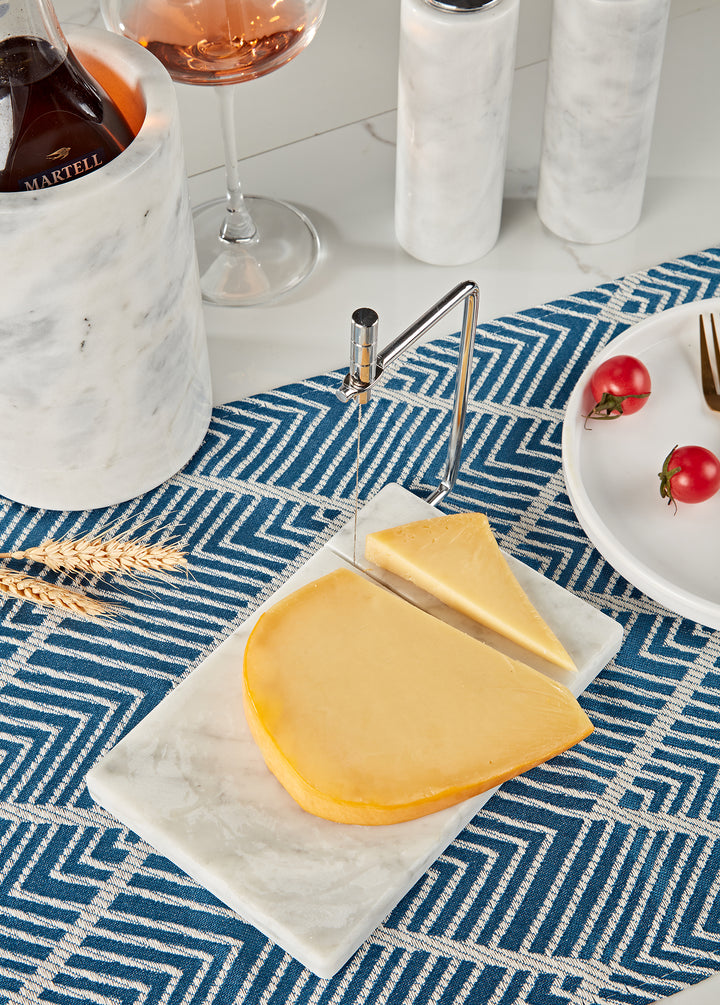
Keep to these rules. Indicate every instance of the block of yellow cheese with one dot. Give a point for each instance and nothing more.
(457, 559)
(370, 711)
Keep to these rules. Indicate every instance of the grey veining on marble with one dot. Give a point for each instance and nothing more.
(454, 88)
(104, 376)
(191, 782)
(603, 78)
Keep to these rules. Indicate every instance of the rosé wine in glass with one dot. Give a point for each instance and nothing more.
(250, 249)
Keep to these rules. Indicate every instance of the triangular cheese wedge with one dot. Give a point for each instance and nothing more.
(457, 559)
(370, 711)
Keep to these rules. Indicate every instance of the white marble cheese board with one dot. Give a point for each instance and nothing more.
(191, 782)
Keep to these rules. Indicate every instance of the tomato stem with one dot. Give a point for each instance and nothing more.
(665, 476)
(610, 406)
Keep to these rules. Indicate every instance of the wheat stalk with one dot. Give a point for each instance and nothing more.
(88, 554)
(101, 556)
(37, 591)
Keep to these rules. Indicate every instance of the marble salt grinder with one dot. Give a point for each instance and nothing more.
(104, 375)
(603, 78)
(456, 66)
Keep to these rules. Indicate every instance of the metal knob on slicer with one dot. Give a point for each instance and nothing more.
(364, 347)
(363, 370)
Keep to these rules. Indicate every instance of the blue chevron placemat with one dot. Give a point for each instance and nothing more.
(592, 879)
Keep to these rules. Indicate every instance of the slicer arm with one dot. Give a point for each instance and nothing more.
(367, 364)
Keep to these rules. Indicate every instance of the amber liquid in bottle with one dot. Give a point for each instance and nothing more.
(56, 123)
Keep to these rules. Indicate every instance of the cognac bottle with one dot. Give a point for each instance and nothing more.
(56, 122)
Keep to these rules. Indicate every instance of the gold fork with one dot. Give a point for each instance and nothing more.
(712, 397)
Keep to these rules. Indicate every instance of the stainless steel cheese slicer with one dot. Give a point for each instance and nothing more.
(367, 366)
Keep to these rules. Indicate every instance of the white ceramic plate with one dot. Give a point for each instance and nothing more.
(611, 469)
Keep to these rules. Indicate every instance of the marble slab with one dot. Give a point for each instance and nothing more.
(191, 782)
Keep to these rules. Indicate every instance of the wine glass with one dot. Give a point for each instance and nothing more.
(250, 249)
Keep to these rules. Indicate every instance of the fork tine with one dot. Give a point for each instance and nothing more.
(715, 342)
(704, 356)
(708, 381)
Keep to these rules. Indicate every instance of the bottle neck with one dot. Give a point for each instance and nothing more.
(34, 19)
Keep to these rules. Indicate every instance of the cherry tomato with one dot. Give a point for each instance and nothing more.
(689, 474)
(620, 386)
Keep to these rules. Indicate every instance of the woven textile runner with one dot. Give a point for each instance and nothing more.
(592, 879)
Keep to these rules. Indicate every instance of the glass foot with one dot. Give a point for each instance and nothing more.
(282, 253)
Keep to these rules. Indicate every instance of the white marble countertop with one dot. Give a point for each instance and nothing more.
(321, 134)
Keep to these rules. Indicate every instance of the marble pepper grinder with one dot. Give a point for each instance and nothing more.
(457, 60)
(603, 78)
(104, 375)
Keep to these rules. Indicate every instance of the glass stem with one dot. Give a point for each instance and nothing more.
(238, 224)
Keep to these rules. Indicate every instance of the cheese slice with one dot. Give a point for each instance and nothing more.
(457, 559)
(370, 711)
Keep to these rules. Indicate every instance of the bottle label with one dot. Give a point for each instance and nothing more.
(55, 176)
